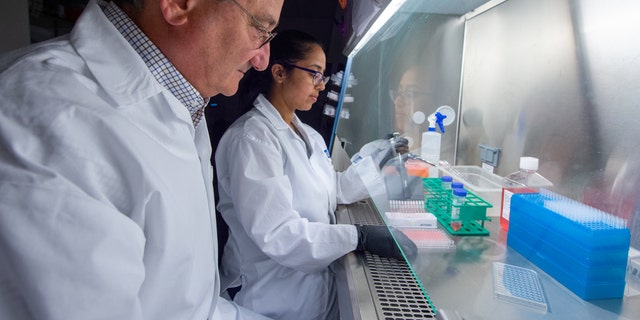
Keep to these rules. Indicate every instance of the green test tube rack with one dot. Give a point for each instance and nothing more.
(473, 213)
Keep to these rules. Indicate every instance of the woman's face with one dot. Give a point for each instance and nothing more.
(299, 92)
(408, 98)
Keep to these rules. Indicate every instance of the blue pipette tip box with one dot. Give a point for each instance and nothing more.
(583, 248)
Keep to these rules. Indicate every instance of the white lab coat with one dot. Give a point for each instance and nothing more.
(278, 194)
(106, 202)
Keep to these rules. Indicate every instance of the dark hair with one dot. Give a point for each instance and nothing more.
(137, 4)
(287, 48)
(291, 46)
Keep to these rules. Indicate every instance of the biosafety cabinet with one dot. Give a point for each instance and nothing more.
(558, 80)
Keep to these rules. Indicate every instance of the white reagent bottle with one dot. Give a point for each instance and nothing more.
(431, 139)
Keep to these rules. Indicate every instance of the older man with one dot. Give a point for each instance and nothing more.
(106, 200)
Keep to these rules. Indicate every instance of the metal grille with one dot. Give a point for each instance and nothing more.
(363, 212)
(396, 292)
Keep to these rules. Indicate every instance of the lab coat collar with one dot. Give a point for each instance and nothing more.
(120, 71)
(269, 111)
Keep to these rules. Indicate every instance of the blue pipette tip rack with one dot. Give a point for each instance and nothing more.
(581, 247)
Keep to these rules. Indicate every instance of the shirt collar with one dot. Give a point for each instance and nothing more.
(161, 68)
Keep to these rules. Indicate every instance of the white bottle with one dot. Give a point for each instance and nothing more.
(528, 167)
(431, 144)
(525, 180)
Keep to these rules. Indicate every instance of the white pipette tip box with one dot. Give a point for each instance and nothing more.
(412, 219)
(410, 214)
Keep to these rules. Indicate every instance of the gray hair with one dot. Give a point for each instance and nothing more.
(138, 4)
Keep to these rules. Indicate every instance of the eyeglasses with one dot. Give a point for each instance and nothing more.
(408, 94)
(265, 36)
(318, 77)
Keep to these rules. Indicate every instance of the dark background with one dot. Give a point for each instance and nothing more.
(327, 21)
(324, 19)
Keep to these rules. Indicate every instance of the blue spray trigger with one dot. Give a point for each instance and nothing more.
(439, 118)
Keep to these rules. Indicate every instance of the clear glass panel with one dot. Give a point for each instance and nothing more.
(546, 78)
(416, 60)
(403, 74)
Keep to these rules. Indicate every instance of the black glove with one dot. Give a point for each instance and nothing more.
(401, 145)
(378, 240)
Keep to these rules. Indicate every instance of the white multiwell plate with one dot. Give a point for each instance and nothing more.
(518, 285)
(427, 239)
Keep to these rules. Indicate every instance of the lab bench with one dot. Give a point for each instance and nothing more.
(454, 284)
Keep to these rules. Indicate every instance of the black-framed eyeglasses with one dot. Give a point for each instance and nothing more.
(264, 34)
(318, 77)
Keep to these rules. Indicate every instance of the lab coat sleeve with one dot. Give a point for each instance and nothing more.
(66, 255)
(360, 180)
(262, 200)
(227, 310)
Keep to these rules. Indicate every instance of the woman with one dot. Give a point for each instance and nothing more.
(278, 193)
(411, 97)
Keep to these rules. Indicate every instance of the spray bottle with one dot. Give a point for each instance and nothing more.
(431, 139)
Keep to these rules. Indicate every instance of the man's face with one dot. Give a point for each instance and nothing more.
(223, 41)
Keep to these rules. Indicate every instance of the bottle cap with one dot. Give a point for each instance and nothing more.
(460, 192)
(457, 185)
(529, 163)
(446, 179)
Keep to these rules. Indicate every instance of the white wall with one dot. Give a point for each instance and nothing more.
(558, 80)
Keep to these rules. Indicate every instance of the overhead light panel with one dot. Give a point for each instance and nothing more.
(379, 22)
